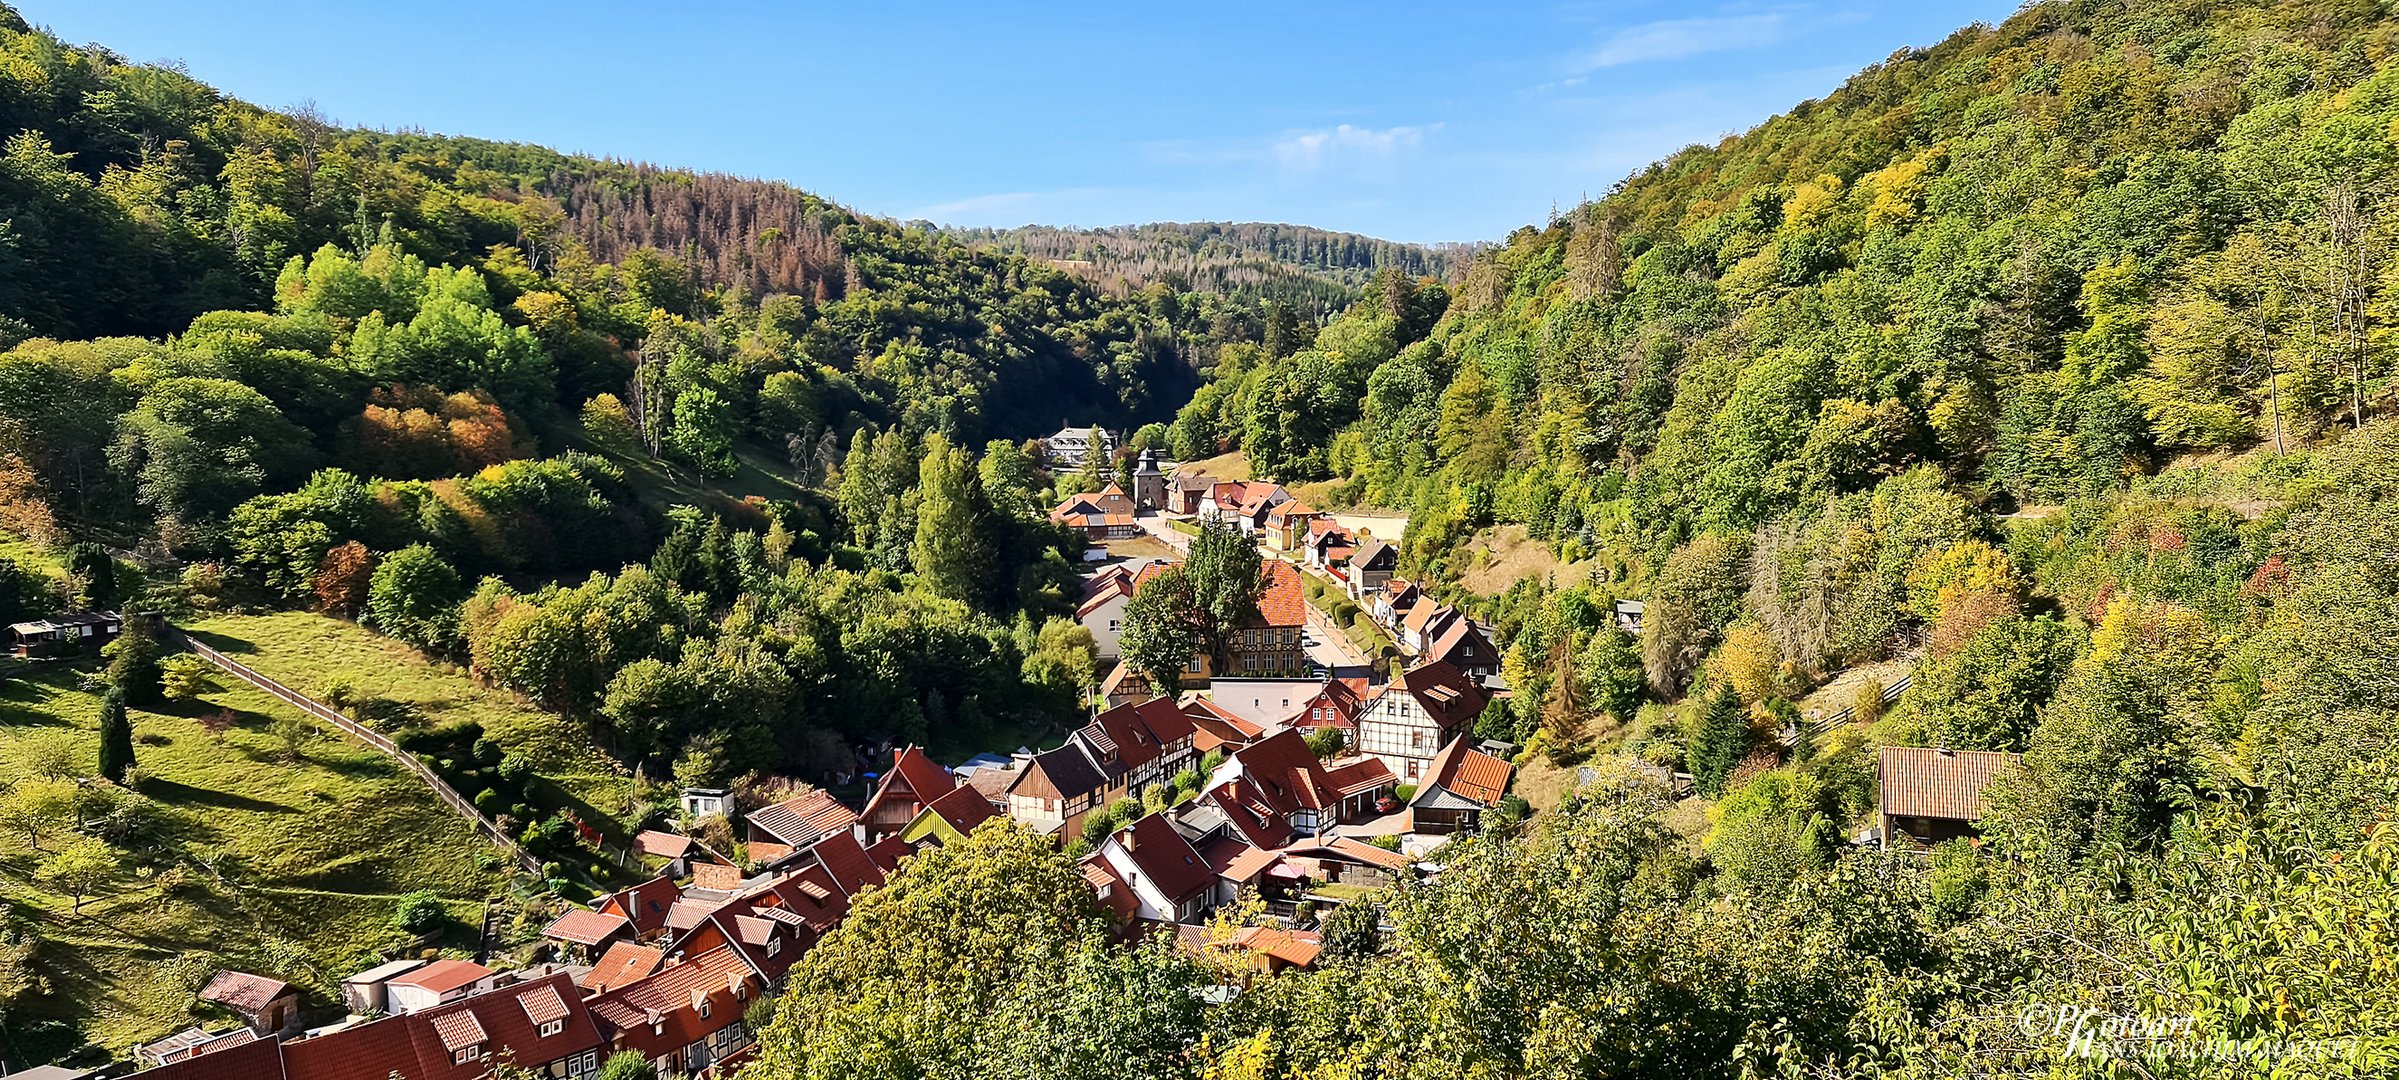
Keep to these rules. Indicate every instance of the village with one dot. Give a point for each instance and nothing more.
(1305, 776)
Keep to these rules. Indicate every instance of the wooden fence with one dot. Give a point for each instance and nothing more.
(356, 730)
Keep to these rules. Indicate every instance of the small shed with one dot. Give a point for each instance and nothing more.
(366, 993)
(267, 1006)
(1933, 795)
(77, 633)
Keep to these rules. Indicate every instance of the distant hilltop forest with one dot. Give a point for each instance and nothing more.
(1310, 269)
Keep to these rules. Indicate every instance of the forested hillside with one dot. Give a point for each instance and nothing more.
(2047, 367)
(1307, 268)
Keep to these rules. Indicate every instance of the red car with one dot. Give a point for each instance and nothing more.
(1386, 805)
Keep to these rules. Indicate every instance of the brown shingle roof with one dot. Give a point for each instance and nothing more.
(716, 876)
(1467, 773)
(242, 991)
(1168, 860)
(1920, 781)
(441, 976)
(804, 819)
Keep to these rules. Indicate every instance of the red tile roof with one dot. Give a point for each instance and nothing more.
(1288, 776)
(423, 1046)
(621, 964)
(585, 927)
(242, 991)
(804, 819)
(1919, 781)
(441, 976)
(1248, 810)
(1160, 853)
(645, 904)
(768, 853)
(657, 1014)
(963, 808)
(851, 868)
(1294, 947)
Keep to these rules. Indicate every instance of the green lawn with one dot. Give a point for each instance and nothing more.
(310, 652)
(313, 855)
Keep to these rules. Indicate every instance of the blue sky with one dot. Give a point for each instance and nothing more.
(1411, 121)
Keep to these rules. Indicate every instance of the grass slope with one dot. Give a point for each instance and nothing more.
(310, 653)
(313, 853)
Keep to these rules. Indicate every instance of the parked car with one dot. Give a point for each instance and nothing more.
(1388, 804)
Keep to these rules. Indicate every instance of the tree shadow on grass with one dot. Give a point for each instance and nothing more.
(224, 643)
(174, 794)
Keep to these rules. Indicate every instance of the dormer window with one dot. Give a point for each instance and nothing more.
(469, 1055)
(703, 1008)
(774, 944)
(552, 1027)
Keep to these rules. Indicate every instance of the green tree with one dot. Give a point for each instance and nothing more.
(704, 430)
(909, 983)
(1161, 629)
(1721, 742)
(116, 736)
(80, 869)
(953, 548)
(414, 596)
(627, 1065)
(133, 664)
(1227, 576)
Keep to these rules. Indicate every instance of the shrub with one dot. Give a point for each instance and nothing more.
(420, 913)
(489, 802)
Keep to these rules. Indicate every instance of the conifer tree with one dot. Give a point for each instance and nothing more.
(116, 737)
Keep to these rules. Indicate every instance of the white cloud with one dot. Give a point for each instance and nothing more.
(1306, 150)
(1675, 39)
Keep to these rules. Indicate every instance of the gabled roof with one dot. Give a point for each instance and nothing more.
(1288, 510)
(664, 845)
(1289, 777)
(242, 991)
(1245, 807)
(961, 810)
(1459, 640)
(236, 1055)
(1446, 693)
(1364, 774)
(424, 1045)
(1467, 773)
(1115, 587)
(645, 904)
(804, 819)
(621, 964)
(1134, 735)
(585, 927)
(1111, 889)
(1425, 611)
(1068, 771)
(441, 976)
(1237, 860)
(1921, 781)
(847, 864)
(913, 777)
(1357, 851)
(1214, 727)
(1374, 554)
(1284, 600)
(1297, 948)
(665, 1000)
(1162, 855)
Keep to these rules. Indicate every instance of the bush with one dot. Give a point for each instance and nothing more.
(1404, 793)
(490, 803)
(516, 769)
(420, 913)
(487, 753)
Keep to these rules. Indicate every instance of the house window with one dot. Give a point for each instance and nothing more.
(1411, 770)
(552, 1027)
(774, 945)
(584, 1064)
(741, 990)
(1113, 625)
(704, 1001)
(472, 1053)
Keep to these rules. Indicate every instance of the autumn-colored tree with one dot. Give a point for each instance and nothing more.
(342, 579)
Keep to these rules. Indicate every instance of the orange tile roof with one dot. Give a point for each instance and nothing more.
(645, 904)
(1920, 781)
(768, 853)
(585, 927)
(1289, 946)
(543, 1005)
(665, 845)
(459, 1030)
(441, 976)
(1468, 773)
(716, 876)
(1284, 601)
(621, 964)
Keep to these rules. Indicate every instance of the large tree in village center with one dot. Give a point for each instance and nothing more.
(1196, 607)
